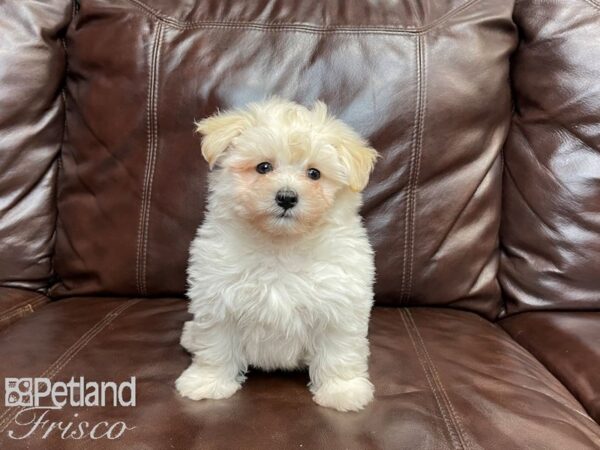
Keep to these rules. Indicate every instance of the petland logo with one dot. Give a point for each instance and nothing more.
(34, 398)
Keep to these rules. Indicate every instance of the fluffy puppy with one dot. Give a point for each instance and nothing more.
(281, 271)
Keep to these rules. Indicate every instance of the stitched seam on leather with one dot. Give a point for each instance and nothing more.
(422, 106)
(78, 344)
(33, 300)
(409, 184)
(21, 312)
(284, 26)
(413, 175)
(69, 354)
(142, 203)
(141, 225)
(152, 146)
(155, 152)
(143, 200)
(464, 440)
(29, 308)
(432, 385)
(410, 170)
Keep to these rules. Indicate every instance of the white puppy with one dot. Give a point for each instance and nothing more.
(281, 272)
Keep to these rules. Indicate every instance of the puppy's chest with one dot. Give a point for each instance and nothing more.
(256, 284)
(290, 284)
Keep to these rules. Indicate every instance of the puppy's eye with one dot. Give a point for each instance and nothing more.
(313, 174)
(264, 167)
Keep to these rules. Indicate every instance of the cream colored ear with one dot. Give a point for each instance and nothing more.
(359, 160)
(219, 130)
(356, 155)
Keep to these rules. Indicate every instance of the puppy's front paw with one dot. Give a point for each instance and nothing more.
(344, 395)
(193, 384)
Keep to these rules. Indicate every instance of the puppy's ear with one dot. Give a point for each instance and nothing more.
(219, 130)
(357, 157)
(359, 160)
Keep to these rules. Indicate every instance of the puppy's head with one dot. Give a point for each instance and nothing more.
(280, 166)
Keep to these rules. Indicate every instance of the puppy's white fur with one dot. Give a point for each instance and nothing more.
(278, 289)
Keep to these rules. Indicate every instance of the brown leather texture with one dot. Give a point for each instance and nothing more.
(32, 68)
(18, 303)
(487, 117)
(444, 379)
(427, 83)
(551, 208)
(567, 343)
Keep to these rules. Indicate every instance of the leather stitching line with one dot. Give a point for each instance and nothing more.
(410, 210)
(432, 386)
(31, 300)
(283, 26)
(151, 125)
(410, 171)
(407, 208)
(69, 354)
(141, 226)
(456, 419)
(143, 203)
(154, 153)
(465, 443)
(21, 312)
(28, 308)
(78, 344)
(408, 245)
(419, 144)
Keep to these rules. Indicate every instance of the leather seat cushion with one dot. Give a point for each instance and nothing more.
(444, 379)
(567, 344)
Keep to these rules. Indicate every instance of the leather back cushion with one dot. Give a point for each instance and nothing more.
(426, 82)
(551, 220)
(32, 64)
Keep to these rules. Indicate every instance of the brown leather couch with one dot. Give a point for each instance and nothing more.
(484, 211)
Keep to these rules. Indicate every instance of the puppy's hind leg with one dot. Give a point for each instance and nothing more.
(217, 366)
(339, 371)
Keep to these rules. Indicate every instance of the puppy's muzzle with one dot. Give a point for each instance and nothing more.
(286, 198)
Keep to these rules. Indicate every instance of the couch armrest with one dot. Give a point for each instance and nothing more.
(550, 230)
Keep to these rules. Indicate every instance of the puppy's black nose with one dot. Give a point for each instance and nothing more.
(286, 198)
